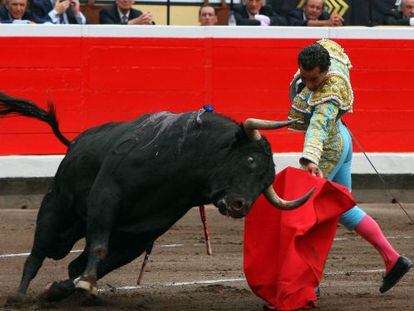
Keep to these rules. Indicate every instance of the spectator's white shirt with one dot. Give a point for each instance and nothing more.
(55, 17)
(21, 21)
(17, 20)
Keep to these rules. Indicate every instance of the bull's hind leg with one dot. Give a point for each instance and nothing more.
(57, 230)
(43, 239)
(44, 236)
(30, 269)
(103, 204)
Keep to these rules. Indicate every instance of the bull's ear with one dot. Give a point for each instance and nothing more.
(241, 133)
(239, 137)
(243, 137)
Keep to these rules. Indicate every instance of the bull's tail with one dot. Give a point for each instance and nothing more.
(17, 106)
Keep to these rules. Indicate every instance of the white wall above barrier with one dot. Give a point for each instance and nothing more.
(46, 166)
(158, 31)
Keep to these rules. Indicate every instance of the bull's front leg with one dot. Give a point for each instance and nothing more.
(103, 204)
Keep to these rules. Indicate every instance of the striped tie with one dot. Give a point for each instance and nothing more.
(124, 19)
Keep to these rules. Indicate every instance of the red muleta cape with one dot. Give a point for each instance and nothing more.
(285, 251)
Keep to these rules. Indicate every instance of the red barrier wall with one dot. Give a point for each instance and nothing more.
(93, 80)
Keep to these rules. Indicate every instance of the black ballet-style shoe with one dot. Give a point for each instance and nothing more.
(401, 267)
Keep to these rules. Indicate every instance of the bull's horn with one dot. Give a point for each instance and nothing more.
(276, 201)
(251, 126)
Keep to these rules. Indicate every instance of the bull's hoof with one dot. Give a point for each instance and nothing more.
(57, 291)
(86, 299)
(87, 286)
(18, 298)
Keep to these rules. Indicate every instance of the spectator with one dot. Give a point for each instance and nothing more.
(207, 16)
(404, 15)
(256, 13)
(15, 12)
(313, 14)
(122, 13)
(57, 12)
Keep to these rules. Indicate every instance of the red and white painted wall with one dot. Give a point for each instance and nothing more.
(96, 74)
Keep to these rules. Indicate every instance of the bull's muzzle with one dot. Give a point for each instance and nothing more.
(235, 208)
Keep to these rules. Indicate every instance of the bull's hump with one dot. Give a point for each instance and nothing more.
(151, 129)
(163, 118)
(157, 116)
(161, 122)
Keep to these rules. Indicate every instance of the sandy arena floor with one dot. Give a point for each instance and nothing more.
(179, 270)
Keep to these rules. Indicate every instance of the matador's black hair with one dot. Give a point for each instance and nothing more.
(314, 55)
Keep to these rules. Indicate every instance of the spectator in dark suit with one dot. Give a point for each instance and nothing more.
(15, 12)
(57, 12)
(122, 13)
(313, 14)
(256, 13)
(404, 15)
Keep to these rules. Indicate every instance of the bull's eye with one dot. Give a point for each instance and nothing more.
(250, 160)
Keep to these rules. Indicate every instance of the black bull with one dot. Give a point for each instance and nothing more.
(122, 185)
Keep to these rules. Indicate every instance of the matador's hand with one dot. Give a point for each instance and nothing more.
(311, 168)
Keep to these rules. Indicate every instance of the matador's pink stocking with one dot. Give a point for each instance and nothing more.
(371, 231)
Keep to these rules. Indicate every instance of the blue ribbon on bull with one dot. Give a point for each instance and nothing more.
(206, 108)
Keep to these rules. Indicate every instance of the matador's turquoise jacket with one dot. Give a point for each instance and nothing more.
(319, 111)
